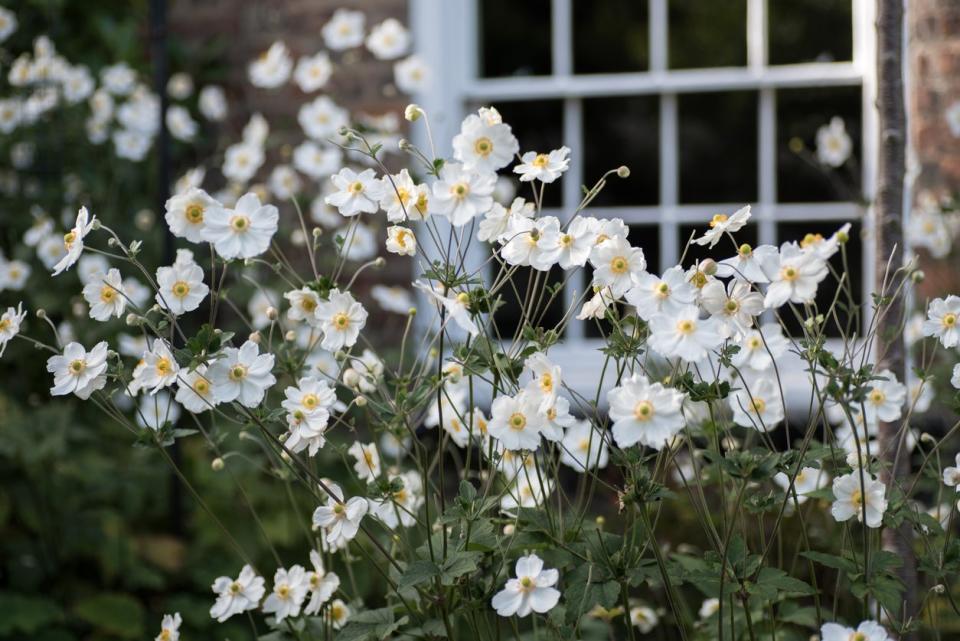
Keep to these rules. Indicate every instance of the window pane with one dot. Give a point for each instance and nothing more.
(514, 38)
(810, 31)
(724, 249)
(610, 36)
(800, 113)
(622, 131)
(509, 317)
(718, 147)
(538, 125)
(707, 33)
(828, 288)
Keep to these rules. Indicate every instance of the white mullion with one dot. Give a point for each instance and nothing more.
(756, 34)
(561, 38)
(669, 182)
(767, 165)
(573, 138)
(658, 23)
(864, 52)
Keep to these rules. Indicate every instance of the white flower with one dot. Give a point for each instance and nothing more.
(388, 40)
(315, 161)
(546, 380)
(748, 263)
(955, 378)
(596, 307)
(104, 293)
(723, 224)
(303, 305)
(531, 591)
(169, 628)
(833, 143)
(951, 475)
(341, 318)
(119, 79)
(709, 607)
(760, 348)
(259, 304)
(289, 590)
(195, 391)
(485, 143)
(645, 413)
(527, 491)
(180, 86)
(244, 231)
(533, 242)
(866, 631)
(339, 614)
(943, 320)
(543, 167)
(78, 371)
(401, 241)
(313, 72)
(8, 23)
(930, 229)
(825, 248)
(235, 596)
(359, 241)
(392, 299)
(51, 250)
(241, 161)
(181, 124)
(321, 584)
(617, 265)
(78, 84)
(734, 306)
(272, 68)
(322, 118)
(242, 374)
(308, 412)
(808, 479)
(73, 240)
(284, 182)
(668, 294)
(644, 618)
(340, 521)
(367, 465)
(850, 498)
(344, 30)
(212, 103)
(461, 194)
(13, 274)
(92, 267)
(186, 212)
(160, 368)
(10, 322)
(885, 398)
(157, 410)
(181, 287)
(794, 276)
(402, 506)
(411, 74)
(584, 447)
(516, 421)
(684, 334)
(356, 193)
(576, 243)
(456, 306)
(403, 199)
(757, 405)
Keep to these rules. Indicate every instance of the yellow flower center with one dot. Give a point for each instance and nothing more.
(463, 298)
(662, 290)
(356, 187)
(789, 273)
(949, 320)
(403, 195)
(201, 386)
(194, 213)
(307, 304)
(310, 401)
(758, 405)
(77, 366)
(69, 238)
(546, 382)
(745, 250)
(732, 306)
(643, 411)
(236, 588)
(460, 190)
(421, 204)
(857, 498)
(541, 161)
(526, 583)
(368, 457)
(483, 147)
(517, 421)
(107, 294)
(754, 343)
(337, 612)
(165, 635)
(583, 444)
(686, 326)
(811, 239)
(718, 219)
(341, 321)
(455, 425)
(180, 289)
(239, 223)
(338, 509)
(699, 279)
(566, 240)
(401, 495)
(5, 324)
(283, 591)
(619, 265)
(237, 372)
(552, 413)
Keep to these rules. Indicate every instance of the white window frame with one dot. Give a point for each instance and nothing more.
(447, 31)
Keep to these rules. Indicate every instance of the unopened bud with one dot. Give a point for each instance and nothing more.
(272, 313)
(601, 521)
(433, 352)
(297, 238)
(217, 464)
(709, 267)
(796, 145)
(623, 171)
(361, 401)
(41, 313)
(413, 112)
(133, 320)
(290, 336)
(340, 355)
(926, 437)
(404, 145)
(95, 224)
(842, 237)
(317, 232)
(939, 588)
(112, 242)
(918, 276)
(255, 337)
(351, 378)
(412, 311)
(509, 529)
(380, 261)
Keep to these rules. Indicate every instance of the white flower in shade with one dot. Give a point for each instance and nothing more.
(284, 182)
(344, 30)
(271, 68)
(241, 162)
(303, 305)
(543, 167)
(13, 274)
(235, 596)
(943, 320)
(41, 228)
(921, 395)
(885, 398)
(851, 498)
(951, 475)
(794, 276)
(684, 334)
(546, 379)
(339, 614)
(532, 242)
(322, 119)
(367, 460)
(760, 348)
(104, 293)
(734, 306)
(617, 265)
(315, 161)
(359, 241)
(643, 618)
(73, 240)
(119, 79)
(78, 84)
(289, 590)
(51, 251)
(576, 243)
(403, 199)
(313, 72)
(259, 305)
(256, 130)
(401, 240)
(130, 144)
(757, 405)
(531, 591)
(308, 408)
(955, 378)
(667, 294)
(8, 23)
(866, 631)
(709, 607)
(242, 375)
(392, 299)
(411, 74)
(527, 490)
(181, 287)
(340, 521)
(584, 447)
(92, 267)
(10, 322)
(356, 193)
(341, 318)
(244, 231)
(748, 263)
(461, 194)
(456, 306)
(160, 368)
(181, 125)
(180, 86)
(929, 229)
(722, 224)
(833, 143)
(485, 143)
(77, 371)
(321, 584)
(388, 40)
(195, 391)
(402, 505)
(453, 404)
(645, 413)
(808, 479)
(169, 627)
(825, 248)
(212, 103)
(186, 212)
(596, 307)
(11, 114)
(156, 411)
(556, 419)
(516, 421)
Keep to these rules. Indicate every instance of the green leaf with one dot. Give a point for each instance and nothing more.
(371, 624)
(459, 564)
(777, 579)
(589, 585)
(26, 614)
(118, 614)
(831, 561)
(418, 572)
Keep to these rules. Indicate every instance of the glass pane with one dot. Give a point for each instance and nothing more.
(538, 125)
(622, 131)
(707, 33)
(828, 288)
(800, 113)
(718, 147)
(610, 36)
(514, 38)
(724, 249)
(810, 31)
(509, 317)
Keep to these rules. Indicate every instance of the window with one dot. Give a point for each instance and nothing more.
(700, 99)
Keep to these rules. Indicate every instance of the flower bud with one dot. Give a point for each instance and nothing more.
(340, 355)
(623, 171)
(317, 232)
(918, 276)
(927, 437)
(601, 521)
(290, 336)
(939, 588)
(509, 529)
(143, 219)
(112, 242)
(272, 313)
(404, 145)
(41, 313)
(351, 378)
(843, 237)
(361, 401)
(217, 464)
(255, 337)
(796, 145)
(95, 224)
(709, 267)
(133, 320)
(297, 238)
(413, 112)
(412, 311)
